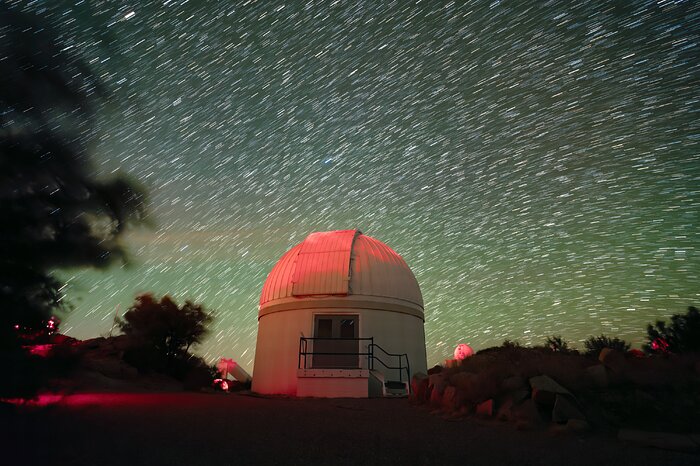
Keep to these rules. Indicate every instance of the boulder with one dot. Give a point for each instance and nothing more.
(485, 409)
(452, 400)
(419, 388)
(545, 389)
(437, 381)
(613, 360)
(513, 383)
(564, 410)
(476, 387)
(463, 380)
(577, 426)
(505, 410)
(663, 440)
(526, 415)
(521, 395)
(436, 386)
(597, 376)
(435, 369)
(436, 398)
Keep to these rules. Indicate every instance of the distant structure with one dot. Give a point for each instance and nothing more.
(340, 315)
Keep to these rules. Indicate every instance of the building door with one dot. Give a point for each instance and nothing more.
(338, 335)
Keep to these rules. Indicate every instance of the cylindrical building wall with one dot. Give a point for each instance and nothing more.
(277, 349)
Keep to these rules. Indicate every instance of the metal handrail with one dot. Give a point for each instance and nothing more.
(398, 355)
(303, 351)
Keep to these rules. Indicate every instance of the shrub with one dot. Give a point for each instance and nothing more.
(162, 333)
(594, 344)
(682, 336)
(557, 344)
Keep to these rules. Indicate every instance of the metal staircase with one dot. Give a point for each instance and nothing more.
(394, 380)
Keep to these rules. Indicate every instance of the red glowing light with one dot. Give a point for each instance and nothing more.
(660, 344)
(463, 351)
(221, 384)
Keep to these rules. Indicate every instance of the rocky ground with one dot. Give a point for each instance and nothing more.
(653, 401)
(521, 406)
(222, 429)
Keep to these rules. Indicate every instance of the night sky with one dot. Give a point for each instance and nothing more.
(537, 164)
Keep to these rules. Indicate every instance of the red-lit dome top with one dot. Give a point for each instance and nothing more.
(341, 268)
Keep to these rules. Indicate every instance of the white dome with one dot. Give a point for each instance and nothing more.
(338, 269)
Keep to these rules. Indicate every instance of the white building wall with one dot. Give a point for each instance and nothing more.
(277, 348)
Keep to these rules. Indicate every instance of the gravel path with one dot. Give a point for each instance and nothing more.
(220, 429)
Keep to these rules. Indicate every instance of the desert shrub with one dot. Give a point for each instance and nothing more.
(163, 332)
(594, 344)
(681, 336)
(507, 343)
(557, 344)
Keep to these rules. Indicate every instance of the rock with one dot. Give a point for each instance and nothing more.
(663, 440)
(452, 400)
(476, 387)
(526, 412)
(505, 412)
(514, 383)
(435, 398)
(463, 380)
(545, 389)
(435, 370)
(437, 380)
(613, 360)
(436, 386)
(577, 426)
(521, 395)
(419, 388)
(597, 376)
(485, 409)
(564, 410)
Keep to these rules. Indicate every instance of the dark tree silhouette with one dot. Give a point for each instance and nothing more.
(162, 331)
(557, 344)
(53, 212)
(594, 345)
(681, 336)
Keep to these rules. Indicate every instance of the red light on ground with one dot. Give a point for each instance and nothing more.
(221, 384)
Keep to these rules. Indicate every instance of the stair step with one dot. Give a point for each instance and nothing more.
(395, 385)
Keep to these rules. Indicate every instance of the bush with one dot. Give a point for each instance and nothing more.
(682, 336)
(511, 344)
(161, 334)
(557, 344)
(594, 344)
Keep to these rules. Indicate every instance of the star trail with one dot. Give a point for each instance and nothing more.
(536, 164)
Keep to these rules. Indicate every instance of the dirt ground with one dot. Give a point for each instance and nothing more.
(227, 429)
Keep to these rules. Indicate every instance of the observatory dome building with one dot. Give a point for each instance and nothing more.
(340, 315)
